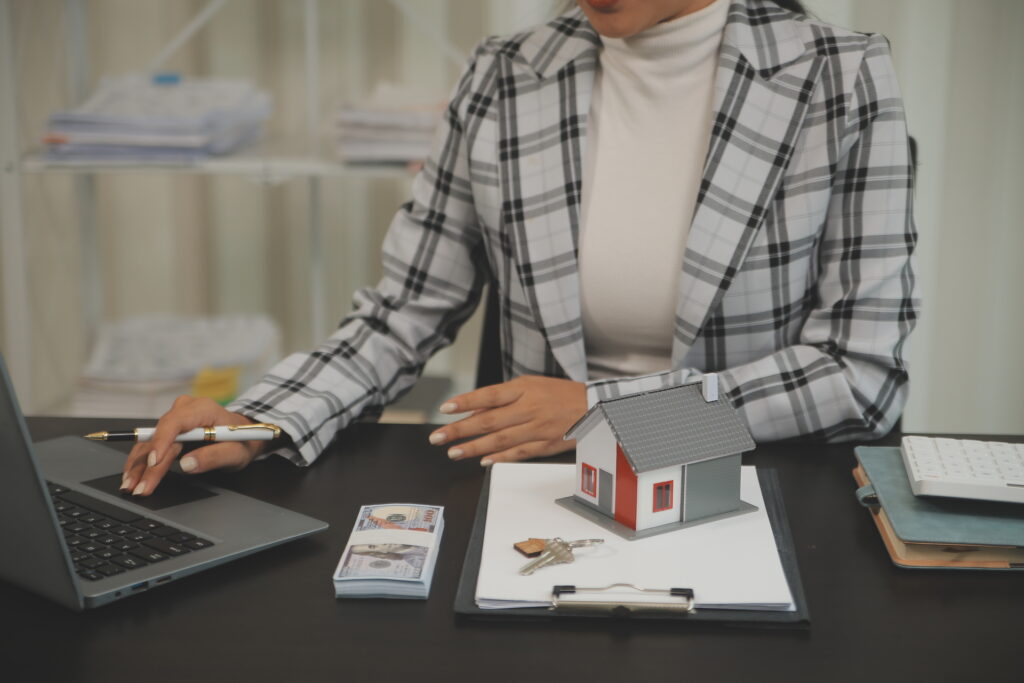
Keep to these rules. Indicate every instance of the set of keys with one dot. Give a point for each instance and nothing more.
(556, 551)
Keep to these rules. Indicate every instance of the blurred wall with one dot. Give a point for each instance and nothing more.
(960, 67)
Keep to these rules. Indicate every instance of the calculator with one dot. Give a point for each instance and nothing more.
(964, 468)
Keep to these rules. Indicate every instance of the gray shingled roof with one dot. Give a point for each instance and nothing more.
(670, 426)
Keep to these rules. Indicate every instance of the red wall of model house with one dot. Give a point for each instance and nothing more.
(625, 490)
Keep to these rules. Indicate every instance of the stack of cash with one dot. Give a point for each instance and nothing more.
(391, 552)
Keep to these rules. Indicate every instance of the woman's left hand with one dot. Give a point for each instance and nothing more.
(516, 420)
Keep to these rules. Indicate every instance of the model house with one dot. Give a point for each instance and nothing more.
(659, 460)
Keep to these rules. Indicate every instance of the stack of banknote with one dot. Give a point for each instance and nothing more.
(391, 552)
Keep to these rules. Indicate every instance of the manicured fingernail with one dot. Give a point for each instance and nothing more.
(486, 462)
(152, 459)
(188, 463)
(126, 482)
(140, 489)
(437, 437)
(455, 453)
(448, 407)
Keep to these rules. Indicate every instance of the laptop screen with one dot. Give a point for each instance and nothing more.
(32, 554)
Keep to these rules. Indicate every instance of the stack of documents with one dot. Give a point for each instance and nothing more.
(133, 118)
(391, 552)
(139, 365)
(731, 563)
(393, 126)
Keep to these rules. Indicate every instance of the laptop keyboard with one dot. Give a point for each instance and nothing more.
(105, 539)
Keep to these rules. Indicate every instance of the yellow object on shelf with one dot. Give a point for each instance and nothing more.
(220, 384)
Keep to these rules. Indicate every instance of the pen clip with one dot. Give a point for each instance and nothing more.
(258, 425)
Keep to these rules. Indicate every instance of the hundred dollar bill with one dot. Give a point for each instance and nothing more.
(382, 561)
(391, 552)
(407, 517)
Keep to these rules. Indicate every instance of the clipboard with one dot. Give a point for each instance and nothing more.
(678, 603)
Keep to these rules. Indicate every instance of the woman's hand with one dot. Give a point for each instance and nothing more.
(149, 461)
(516, 420)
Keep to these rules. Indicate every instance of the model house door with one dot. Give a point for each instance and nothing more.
(605, 489)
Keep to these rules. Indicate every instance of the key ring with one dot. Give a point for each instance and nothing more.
(557, 551)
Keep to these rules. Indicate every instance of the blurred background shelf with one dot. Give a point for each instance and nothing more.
(281, 227)
(272, 162)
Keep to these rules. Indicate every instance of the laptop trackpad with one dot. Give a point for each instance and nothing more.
(173, 490)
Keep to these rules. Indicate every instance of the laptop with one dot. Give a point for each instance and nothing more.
(69, 535)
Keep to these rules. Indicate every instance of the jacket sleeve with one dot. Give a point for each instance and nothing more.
(846, 377)
(431, 283)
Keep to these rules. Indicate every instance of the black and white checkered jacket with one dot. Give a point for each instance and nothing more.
(797, 284)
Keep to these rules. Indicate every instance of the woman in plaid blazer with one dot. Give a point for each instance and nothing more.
(796, 284)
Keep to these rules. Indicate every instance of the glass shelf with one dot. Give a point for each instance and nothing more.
(270, 162)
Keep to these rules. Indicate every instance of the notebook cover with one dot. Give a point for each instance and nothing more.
(938, 556)
(465, 597)
(934, 519)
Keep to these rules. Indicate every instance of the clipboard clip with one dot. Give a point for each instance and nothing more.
(676, 600)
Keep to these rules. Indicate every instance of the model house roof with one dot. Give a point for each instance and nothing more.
(673, 426)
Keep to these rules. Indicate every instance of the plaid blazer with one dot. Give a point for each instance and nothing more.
(797, 284)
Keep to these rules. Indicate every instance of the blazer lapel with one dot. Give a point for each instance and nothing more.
(762, 91)
(545, 98)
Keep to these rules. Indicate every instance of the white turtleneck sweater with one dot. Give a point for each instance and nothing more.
(647, 138)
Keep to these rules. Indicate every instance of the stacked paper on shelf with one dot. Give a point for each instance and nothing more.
(141, 364)
(133, 118)
(391, 552)
(393, 126)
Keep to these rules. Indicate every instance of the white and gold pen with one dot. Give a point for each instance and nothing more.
(253, 432)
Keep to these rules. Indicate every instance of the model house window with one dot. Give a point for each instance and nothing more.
(663, 496)
(589, 483)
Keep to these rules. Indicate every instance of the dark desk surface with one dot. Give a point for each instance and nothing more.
(273, 616)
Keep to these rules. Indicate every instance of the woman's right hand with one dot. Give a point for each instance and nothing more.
(149, 461)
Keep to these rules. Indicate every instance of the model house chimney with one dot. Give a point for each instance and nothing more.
(709, 386)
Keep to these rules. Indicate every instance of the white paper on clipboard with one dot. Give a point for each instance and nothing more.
(731, 563)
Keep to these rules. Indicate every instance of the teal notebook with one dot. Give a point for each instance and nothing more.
(929, 531)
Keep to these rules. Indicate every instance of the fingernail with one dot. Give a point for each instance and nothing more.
(188, 463)
(448, 407)
(140, 489)
(455, 453)
(486, 462)
(126, 483)
(152, 459)
(437, 437)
